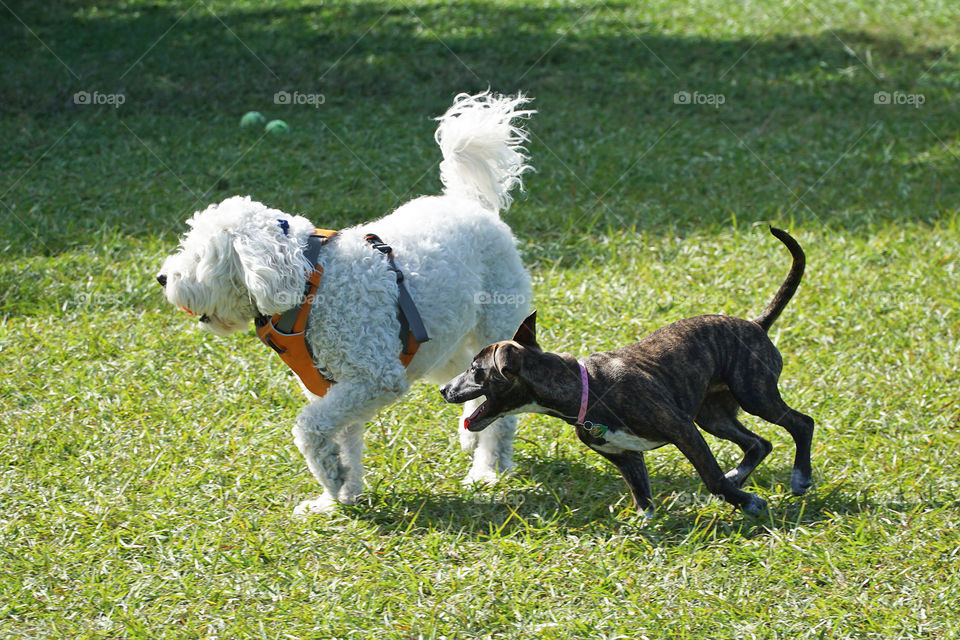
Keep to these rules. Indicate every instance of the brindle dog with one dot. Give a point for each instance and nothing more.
(697, 371)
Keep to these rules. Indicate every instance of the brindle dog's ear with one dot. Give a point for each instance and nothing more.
(506, 359)
(526, 334)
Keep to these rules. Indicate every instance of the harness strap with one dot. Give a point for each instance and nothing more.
(285, 332)
(412, 331)
(294, 320)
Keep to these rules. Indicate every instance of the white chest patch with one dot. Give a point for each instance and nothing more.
(620, 441)
(530, 407)
(615, 441)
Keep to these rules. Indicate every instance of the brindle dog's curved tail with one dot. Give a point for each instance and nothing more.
(789, 286)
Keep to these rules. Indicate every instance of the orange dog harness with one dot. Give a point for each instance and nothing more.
(285, 332)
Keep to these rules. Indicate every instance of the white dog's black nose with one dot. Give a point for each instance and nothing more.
(162, 279)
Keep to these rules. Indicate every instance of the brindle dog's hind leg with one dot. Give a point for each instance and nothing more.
(754, 385)
(718, 416)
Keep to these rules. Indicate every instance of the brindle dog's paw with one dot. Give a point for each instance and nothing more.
(754, 507)
(799, 482)
(734, 476)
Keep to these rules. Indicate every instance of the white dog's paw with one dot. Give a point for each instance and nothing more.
(320, 505)
(485, 476)
(347, 496)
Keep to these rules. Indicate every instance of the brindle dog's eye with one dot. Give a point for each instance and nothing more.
(204, 318)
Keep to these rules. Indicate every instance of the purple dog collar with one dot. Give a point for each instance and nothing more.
(584, 392)
(595, 430)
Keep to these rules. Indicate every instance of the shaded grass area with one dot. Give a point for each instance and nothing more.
(798, 135)
(147, 474)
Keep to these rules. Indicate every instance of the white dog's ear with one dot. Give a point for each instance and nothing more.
(272, 272)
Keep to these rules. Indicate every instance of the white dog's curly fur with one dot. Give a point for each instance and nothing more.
(460, 264)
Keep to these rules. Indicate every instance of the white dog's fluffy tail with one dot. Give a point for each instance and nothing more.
(483, 153)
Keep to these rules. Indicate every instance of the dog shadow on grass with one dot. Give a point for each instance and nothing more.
(549, 496)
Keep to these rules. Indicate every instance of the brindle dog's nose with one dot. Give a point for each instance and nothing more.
(162, 279)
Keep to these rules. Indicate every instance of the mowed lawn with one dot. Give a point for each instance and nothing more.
(147, 471)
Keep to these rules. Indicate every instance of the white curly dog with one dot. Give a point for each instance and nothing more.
(241, 259)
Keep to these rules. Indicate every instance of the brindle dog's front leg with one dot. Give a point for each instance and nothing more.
(634, 471)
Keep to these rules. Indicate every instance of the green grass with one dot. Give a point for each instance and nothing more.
(147, 473)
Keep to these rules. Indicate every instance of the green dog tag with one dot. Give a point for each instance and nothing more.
(595, 430)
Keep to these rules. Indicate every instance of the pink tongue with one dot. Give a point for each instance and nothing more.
(482, 409)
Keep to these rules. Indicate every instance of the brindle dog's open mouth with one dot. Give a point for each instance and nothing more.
(481, 412)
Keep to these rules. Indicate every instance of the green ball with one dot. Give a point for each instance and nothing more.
(252, 119)
(277, 127)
